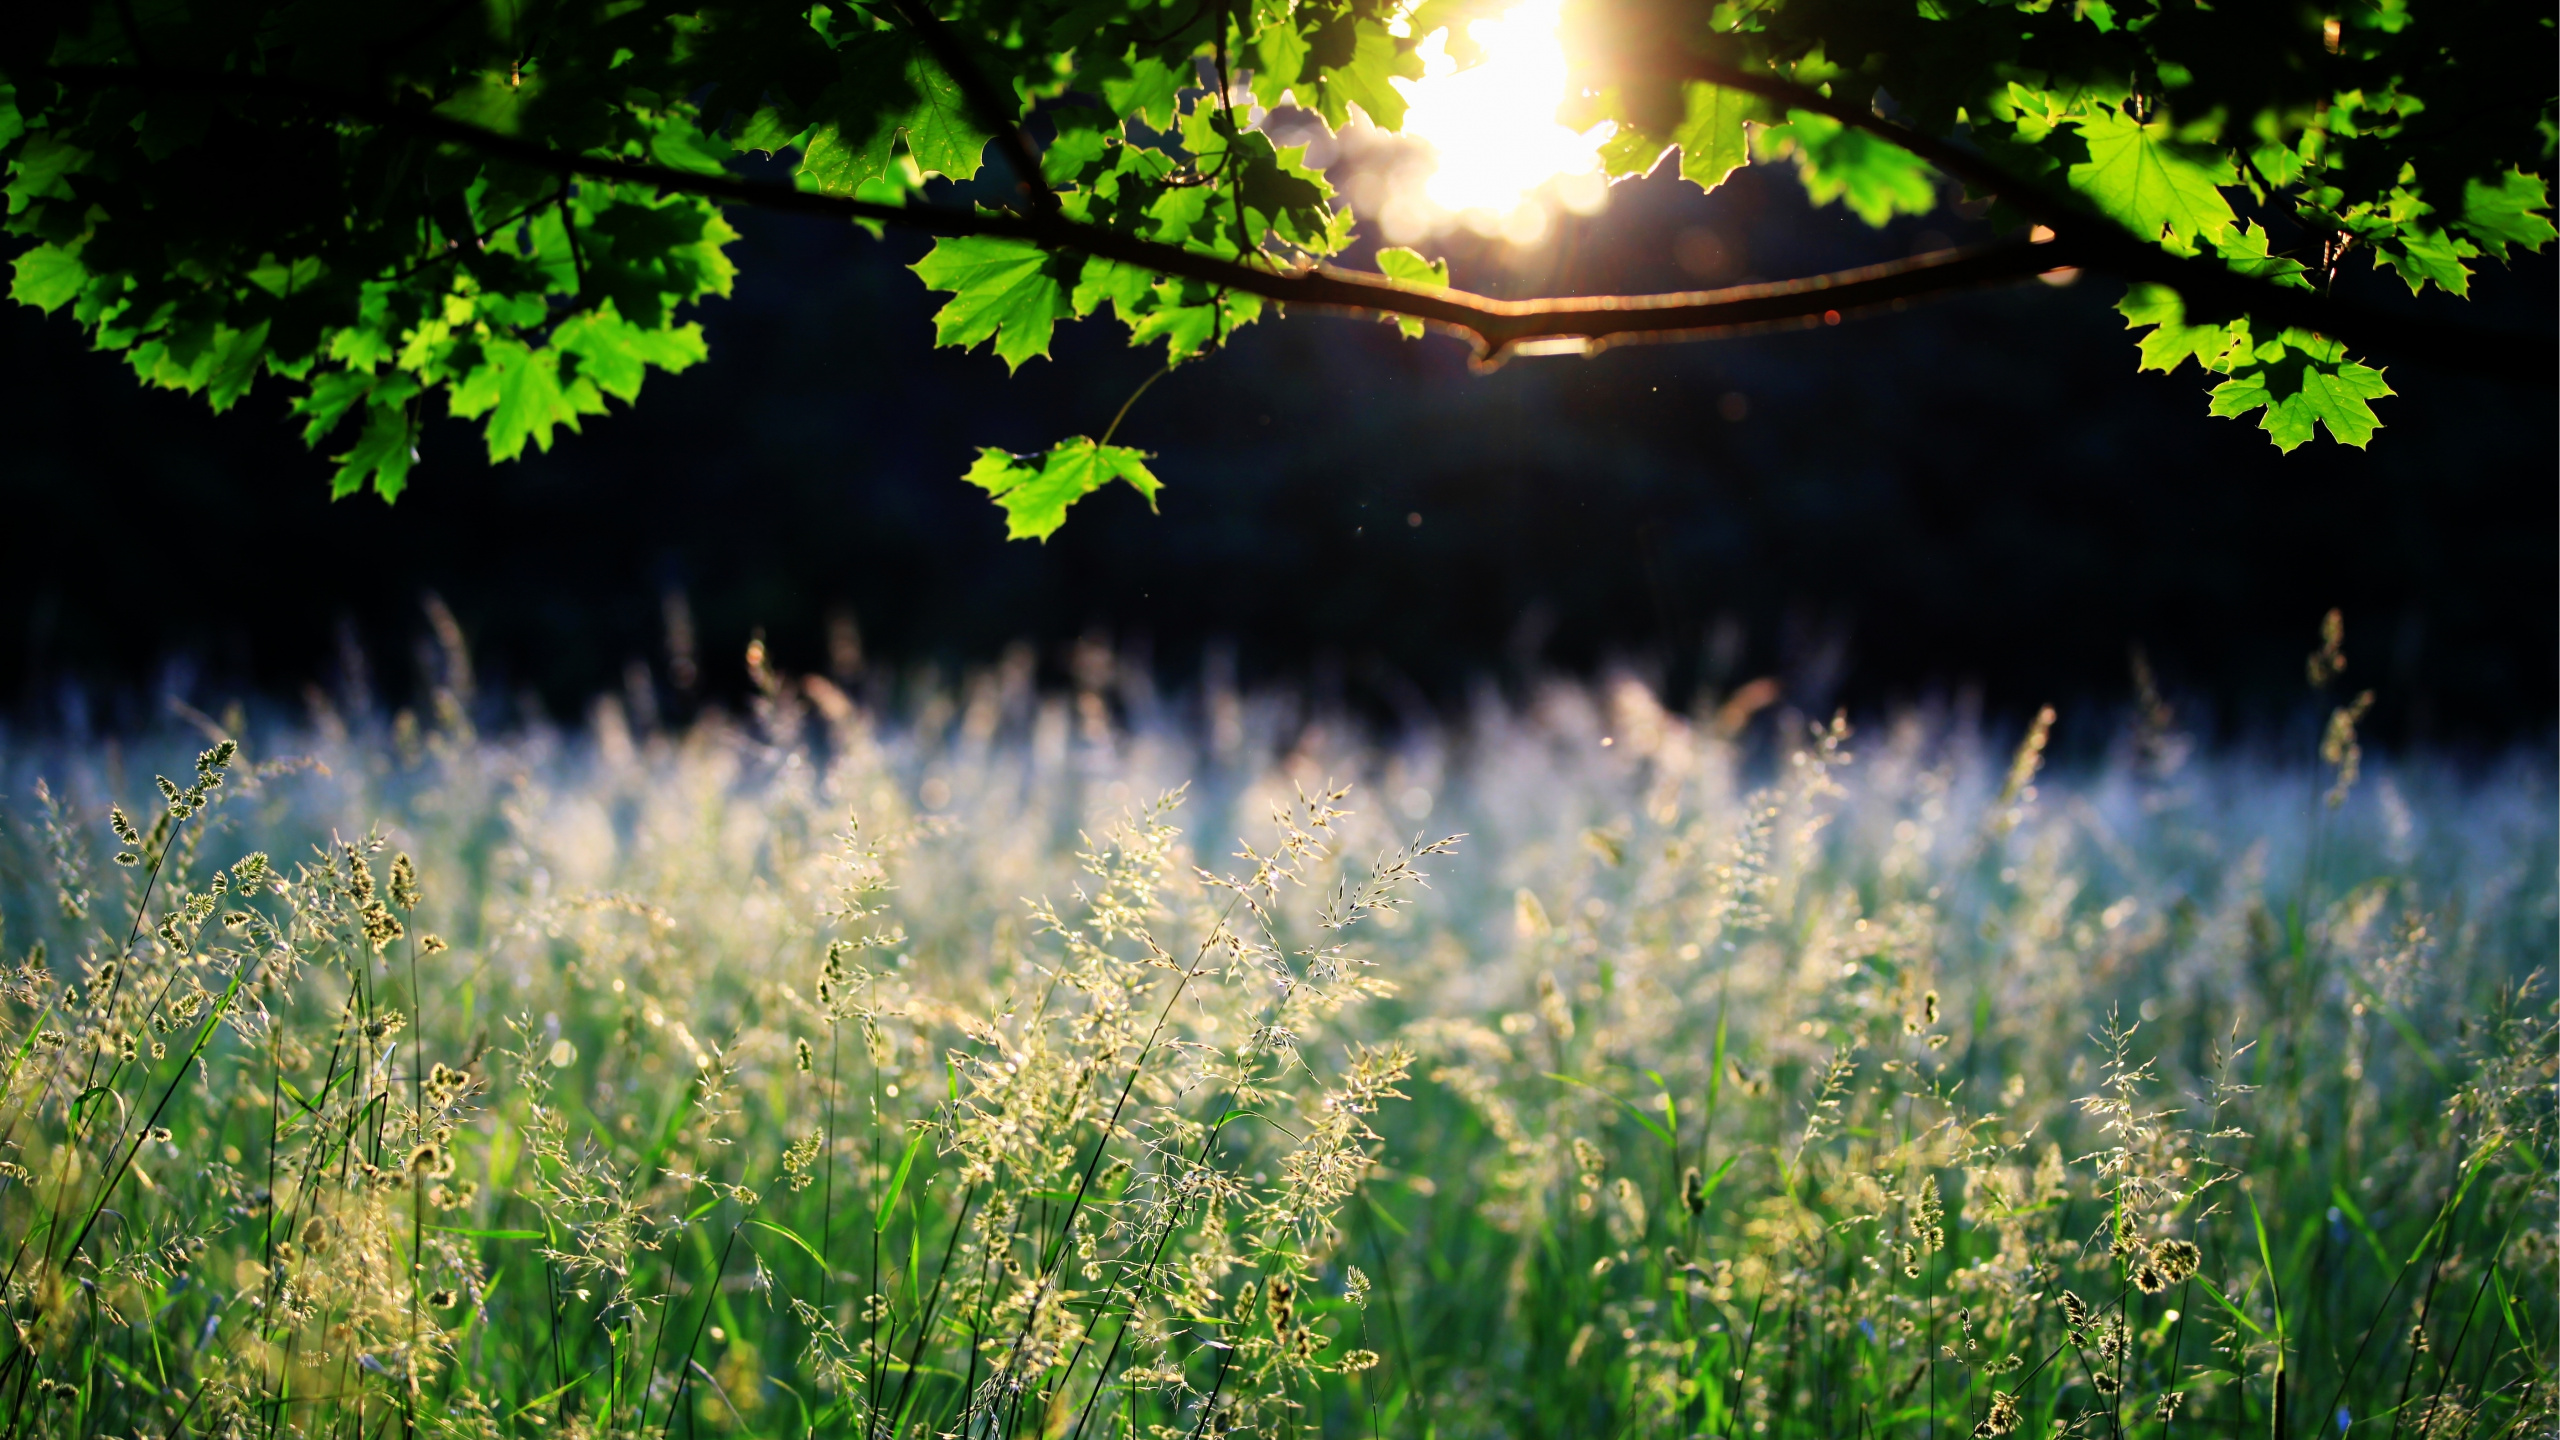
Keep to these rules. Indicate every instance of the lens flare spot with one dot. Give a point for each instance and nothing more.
(1492, 128)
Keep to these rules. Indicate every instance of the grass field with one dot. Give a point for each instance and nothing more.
(807, 1073)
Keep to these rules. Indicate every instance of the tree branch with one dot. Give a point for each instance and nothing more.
(1497, 327)
(2211, 289)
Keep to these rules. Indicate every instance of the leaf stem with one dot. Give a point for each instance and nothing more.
(1132, 400)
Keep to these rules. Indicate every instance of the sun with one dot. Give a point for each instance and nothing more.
(1492, 130)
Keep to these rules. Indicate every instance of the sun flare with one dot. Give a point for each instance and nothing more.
(1492, 127)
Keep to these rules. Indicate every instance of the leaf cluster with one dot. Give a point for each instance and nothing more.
(511, 209)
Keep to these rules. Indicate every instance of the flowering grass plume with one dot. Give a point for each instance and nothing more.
(814, 1074)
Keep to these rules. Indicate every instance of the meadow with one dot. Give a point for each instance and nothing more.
(1096, 1065)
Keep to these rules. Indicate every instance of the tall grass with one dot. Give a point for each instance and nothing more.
(806, 1074)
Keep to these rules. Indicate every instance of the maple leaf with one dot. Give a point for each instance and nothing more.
(1150, 92)
(1875, 179)
(834, 163)
(939, 130)
(2300, 380)
(2428, 255)
(1712, 139)
(217, 359)
(385, 448)
(1362, 79)
(1035, 496)
(2152, 187)
(1280, 54)
(48, 276)
(1398, 263)
(519, 388)
(1189, 317)
(615, 354)
(333, 252)
(1007, 290)
(2513, 211)
(1127, 287)
(2244, 248)
(2173, 341)
(856, 142)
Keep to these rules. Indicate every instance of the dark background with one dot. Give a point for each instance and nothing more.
(1976, 494)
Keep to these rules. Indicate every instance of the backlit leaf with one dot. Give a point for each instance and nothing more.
(1875, 179)
(2300, 382)
(1712, 139)
(940, 132)
(615, 354)
(1148, 92)
(1035, 491)
(2172, 341)
(1398, 263)
(837, 165)
(2422, 256)
(521, 391)
(2514, 211)
(1007, 290)
(385, 449)
(1189, 322)
(2152, 187)
(47, 277)
(1375, 59)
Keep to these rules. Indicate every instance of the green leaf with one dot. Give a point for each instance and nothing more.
(1189, 323)
(2422, 256)
(497, 99)
(2244, 248)
(2280, 164)
(214, 358)
(940, 132)
(48, 276)
(1400, 264)
(1362, 80)
(1127, 287)
(383, 453)
(1035, 497)
(1715, 1182)
(1641, 1118)
(1712, 139)
(2301, 382)
(236, 357)
(1149, 92)
(2225, 1302)
(37, 171)
(1005, 289)
(2514, 211)
(794, 1236)
(2275, 1295)
(2153, 188)
(898, 1182)
(615, 354)
(2173, 340)
(329, 399)
(1876, 179)
(869, 110)
(678, 145)
(2346, 1204)
(520, 390)
(835, 165)
(1280, 56)
(1631, 152)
